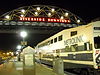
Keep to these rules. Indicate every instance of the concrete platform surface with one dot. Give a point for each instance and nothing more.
(9, 68)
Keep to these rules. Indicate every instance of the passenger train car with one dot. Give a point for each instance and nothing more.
(79, 47)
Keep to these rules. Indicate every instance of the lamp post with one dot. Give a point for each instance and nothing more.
(19, 50)
(23, 34)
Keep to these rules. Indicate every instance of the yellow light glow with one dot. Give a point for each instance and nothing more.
(38, 8)
(66, 14)
(22, 15)
(36, 13)
(52, 10)
(49, 14)
(78, 21)
(23, 11)
(62, 17)
(7, 17)
(7, 53)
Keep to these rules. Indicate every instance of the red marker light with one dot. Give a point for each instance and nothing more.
(31, 19)
(21, 18)
(28, 19)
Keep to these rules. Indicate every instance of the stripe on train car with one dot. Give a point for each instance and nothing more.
(72, 61)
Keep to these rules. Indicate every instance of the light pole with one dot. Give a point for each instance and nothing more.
(23, 34)
(19, 50)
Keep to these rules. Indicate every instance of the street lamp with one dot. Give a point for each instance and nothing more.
(19, 47)
(23, 34)
(18, 51)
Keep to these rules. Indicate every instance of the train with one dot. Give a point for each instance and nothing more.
(78, 47)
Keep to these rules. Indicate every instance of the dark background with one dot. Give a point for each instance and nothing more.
(86, 9)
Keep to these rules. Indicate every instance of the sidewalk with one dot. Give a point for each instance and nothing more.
(10, 69)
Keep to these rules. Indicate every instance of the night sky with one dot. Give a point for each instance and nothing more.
(86, 9)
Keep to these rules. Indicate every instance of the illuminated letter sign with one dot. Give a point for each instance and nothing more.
(37, 19)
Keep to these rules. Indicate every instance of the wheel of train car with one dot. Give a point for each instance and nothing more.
(84, 72)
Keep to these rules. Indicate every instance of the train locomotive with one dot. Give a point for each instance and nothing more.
(79, 47)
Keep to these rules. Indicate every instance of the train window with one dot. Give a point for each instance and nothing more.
(96, 28)
(48, 43)
(55, 39)
(51, 41)
(60, 38)
(97, 42)
(73, 33)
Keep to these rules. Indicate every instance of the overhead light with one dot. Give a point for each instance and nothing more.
(7, 17)
(22, 15)
(62, 17)
(49, 14)
(23, 11)
(38, 8)
(52, 10)
(19, 47)
(78, 21)
(66, 14)
(36, 13)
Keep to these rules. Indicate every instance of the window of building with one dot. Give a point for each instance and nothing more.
(55, 39)
(73, 33)
(60, 38)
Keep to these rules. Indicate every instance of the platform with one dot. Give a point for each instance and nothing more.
(9, 68)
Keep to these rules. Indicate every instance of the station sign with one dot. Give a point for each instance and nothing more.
(38, 19)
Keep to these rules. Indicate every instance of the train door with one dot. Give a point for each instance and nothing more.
(97, 51)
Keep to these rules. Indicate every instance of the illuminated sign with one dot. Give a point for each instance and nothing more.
(37, 19)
